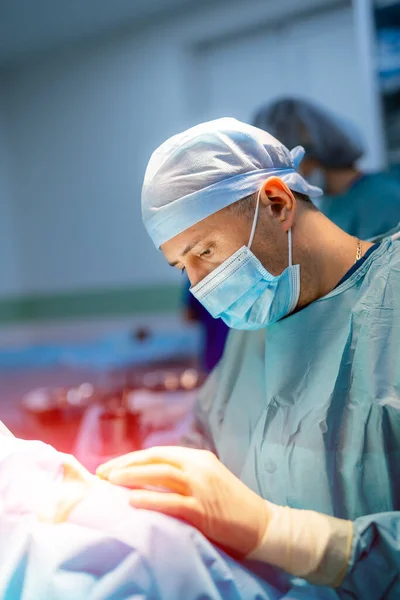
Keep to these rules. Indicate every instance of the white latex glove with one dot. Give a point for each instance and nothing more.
(307, 544)
(199, 489)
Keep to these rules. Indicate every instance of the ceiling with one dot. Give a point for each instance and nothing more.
(30, 27)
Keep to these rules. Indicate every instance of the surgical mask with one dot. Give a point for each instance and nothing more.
(244, 294)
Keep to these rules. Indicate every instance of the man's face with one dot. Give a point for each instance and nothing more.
(204, 246)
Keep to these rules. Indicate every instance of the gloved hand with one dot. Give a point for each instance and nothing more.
(199, 489)
(36, 479)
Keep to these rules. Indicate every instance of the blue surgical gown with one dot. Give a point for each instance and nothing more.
(371, 206)
(306, 412)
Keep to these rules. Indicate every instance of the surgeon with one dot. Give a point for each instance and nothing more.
(295, 457)
(366, 205)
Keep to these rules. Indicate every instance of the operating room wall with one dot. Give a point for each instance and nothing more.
(10, 276)
(84, 121)
(81, 138)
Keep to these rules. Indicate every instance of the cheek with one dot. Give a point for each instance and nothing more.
(277, 261)
(231, 243)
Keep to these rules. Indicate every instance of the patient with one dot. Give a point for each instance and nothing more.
(65, 533)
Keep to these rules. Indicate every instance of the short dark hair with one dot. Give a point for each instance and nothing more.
(245, 206)
(302, 197)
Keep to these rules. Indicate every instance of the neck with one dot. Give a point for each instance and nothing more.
(325, 253)
(338, 181)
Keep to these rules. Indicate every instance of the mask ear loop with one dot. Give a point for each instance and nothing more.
(253, 229)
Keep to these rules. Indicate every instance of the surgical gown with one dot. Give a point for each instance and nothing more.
(306, 412)
(370, 207)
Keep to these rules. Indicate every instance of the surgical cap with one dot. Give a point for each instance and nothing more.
(198, 172)
(331, 139)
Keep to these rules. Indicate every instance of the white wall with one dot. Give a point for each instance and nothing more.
(78, 125)
(313, 57)
(10, 276)
(85, 121)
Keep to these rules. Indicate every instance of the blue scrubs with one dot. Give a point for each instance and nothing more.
(370, 207)
(306, 412)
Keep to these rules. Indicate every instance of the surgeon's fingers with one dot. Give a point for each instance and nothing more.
(158, 454)
(160, 475)
(174, 505)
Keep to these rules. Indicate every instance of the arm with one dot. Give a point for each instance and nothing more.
(374, 567)
(360, 559)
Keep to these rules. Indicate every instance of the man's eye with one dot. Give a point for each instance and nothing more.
(206, 252)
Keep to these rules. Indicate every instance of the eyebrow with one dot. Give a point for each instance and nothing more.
(188, 248)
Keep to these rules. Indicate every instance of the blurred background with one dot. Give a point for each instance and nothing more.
(97, 350)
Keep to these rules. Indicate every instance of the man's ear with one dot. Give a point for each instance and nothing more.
(279, 200)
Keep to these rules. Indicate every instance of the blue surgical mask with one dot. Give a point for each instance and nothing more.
(244, 294)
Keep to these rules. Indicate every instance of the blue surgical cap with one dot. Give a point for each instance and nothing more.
(198, 172)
